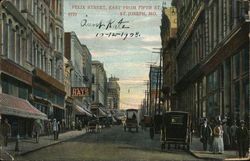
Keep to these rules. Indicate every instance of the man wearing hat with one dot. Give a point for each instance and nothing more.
(242, 139)
(206, 133)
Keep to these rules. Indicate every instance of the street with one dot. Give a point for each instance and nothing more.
(111, 144)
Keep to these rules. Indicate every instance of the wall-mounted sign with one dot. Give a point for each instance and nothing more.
(79, 91)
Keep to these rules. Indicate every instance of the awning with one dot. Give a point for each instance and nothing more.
(58, 106)
(82, 111)
(103, 111)
(99, 111)
(11, 105)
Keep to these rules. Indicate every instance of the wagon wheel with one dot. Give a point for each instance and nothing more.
(188, 146)
(163, 146)
(151, 132)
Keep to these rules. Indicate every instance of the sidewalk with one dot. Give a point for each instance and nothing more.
(30, 145)
(196, 149)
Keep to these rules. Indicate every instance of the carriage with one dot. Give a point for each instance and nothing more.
(176, 129)
(93, 126)
(131, 121)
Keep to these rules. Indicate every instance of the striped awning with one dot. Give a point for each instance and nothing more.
(82, 111)
(11, 105)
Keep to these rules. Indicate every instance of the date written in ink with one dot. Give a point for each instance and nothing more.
(123, 35)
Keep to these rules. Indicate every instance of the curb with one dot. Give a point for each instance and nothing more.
(205, 158)
(45, 146)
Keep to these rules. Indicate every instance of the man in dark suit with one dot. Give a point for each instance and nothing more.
(206, 133)
(242, 137)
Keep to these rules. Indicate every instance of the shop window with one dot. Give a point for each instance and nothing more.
(23, 92)
(237, 97)
(5, 87)
(236, 65)
(246, 99)
(245, 60)
(93, 78)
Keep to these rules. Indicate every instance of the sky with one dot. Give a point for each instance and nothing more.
(122, 34)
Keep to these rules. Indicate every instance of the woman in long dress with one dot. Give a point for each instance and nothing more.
(218, 145)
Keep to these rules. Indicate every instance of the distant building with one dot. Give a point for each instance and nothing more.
(78, 74)
(113, 102)
(99, 84)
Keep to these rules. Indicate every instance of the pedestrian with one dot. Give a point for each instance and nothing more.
(226, 138)
(37, 129)
(79, 125)
(55, 129)
(242, 137)
(59, 129)
(233, 129)
(6, 131)
(206, 133)
(218, 145)
(73, 125)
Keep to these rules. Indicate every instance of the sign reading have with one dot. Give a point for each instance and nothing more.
(80, 91)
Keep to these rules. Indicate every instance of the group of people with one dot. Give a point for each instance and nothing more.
(51, 127)
(220, 135)
(78, 124)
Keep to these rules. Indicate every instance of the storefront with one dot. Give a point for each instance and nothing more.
(69, 117)
(20, 114)
(47, 88)
(16, 86)
(82, 115)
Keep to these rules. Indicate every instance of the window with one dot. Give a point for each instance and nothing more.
(38, 15)
(93, 78)
(42, 18)
(24, 5)
(42, 61)
(236, 65)
(50, 67)
(245, 59)
(5, 36)
(246, 100)
(17, 56)
(51, 34)
(177, 120)
(29, 49)
(237, 97)
(93, 96)
(213, 100)
(18, 4)
(11, 41)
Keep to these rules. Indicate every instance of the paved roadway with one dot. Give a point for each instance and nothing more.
(111, 144)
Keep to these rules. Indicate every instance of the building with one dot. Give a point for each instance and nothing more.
(78, 74)
(31, 62)
(113, 96)
(168, 37)
(99, 84)
(213, 59)
(99, 88)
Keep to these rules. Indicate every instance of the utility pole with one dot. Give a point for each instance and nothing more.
(156, 91)
(150, 95)
(147, 98)
(159, 101)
